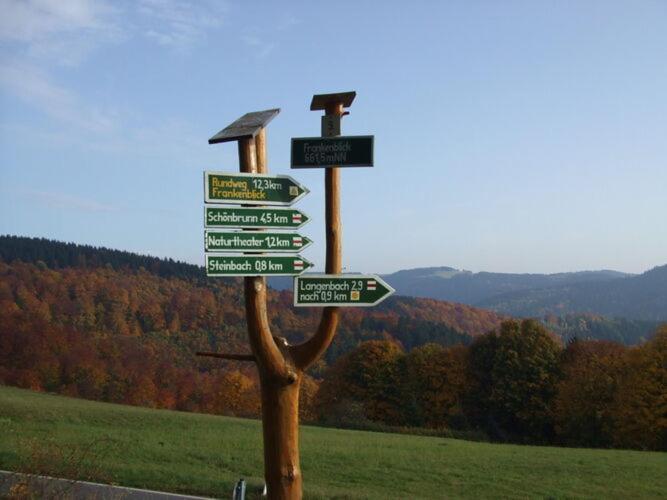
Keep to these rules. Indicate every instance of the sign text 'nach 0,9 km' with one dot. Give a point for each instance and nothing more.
(248, 265)
(253, 189)
(254, 218)
(349, 290)
(254, 241)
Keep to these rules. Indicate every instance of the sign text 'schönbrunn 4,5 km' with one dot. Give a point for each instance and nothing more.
(254, 218)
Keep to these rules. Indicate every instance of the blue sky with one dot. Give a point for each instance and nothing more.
(510, 136)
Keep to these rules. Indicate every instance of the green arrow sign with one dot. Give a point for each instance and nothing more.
(349, 290)
(253, 189)
(246, 265)
(254, 218)
(350, 151)
(254, 241)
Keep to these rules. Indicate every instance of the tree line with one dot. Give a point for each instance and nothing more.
(516, 384)
(129, 336)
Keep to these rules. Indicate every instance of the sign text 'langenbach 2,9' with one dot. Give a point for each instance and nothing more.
(349, 290)
(253, 189)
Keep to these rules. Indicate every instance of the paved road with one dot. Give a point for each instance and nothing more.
(49, 487)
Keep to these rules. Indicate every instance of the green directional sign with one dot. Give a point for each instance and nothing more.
(349, 290)
(252, 189)
(254, 218)
(254, 241)
(261, 265)
(341, 151)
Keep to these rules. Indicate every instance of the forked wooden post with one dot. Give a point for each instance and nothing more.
(281, 366)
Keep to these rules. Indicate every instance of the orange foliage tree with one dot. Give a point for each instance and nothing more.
(585, 394)
(640, 408)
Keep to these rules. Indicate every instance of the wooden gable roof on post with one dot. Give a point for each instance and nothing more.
(248, 125)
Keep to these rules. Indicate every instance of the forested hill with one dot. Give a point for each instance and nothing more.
(641, 297)
(606, 293)
(126, 329)
(147, 294)
(57, 255)
(447, 283)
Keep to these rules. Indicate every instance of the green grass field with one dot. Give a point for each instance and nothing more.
(203, 454)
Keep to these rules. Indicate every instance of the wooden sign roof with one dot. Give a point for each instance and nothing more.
(248, 125)
(320, 101)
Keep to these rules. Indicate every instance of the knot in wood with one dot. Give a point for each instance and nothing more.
(259, 286)
(291, 473)
(280, 341)
(291, 377)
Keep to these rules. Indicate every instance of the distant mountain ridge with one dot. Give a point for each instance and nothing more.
(447, 283)
(605, 292)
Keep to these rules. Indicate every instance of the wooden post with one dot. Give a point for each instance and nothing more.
(280, 365)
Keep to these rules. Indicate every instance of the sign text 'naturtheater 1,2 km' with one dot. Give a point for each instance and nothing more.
(254, 241)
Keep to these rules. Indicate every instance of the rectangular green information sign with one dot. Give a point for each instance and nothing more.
(254, 218)
(252, 189)
(254, 241)
(261, 265)
(342, 151)
(349, 290)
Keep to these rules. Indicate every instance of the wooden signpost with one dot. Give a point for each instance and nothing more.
(281, 366)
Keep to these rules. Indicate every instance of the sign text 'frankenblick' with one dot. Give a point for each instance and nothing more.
(253, 189)
(341, 151)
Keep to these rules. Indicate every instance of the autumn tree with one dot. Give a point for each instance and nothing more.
(365, 377)
(513, 376)
(586, 392)
(433, 386)
(640, 409)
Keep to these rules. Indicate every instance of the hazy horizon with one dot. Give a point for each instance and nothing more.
(522, 137)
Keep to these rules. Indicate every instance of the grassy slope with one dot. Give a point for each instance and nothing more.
(204, 454)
